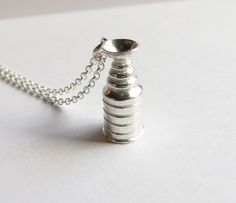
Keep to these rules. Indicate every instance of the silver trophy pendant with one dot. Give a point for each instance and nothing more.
(122, 94)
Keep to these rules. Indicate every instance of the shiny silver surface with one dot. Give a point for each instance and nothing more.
(122, 94)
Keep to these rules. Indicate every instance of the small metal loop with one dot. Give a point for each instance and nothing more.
(101, 66)
(74, 99)
(96, 75)
(60, 101)
(98, 49)
(53, 99)
(89, 68)
(66, 89)
(48, 90)
(80, 95)
(14, 80)
(5, 71)
(60, 91)
(78, 81)
(83, 75)
(92, 83)
(54, 92)
(72, 86)
(67, 101)
(86, 90)
(8, 77)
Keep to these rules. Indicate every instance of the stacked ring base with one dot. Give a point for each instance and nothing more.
(123, 123)
(130, 137)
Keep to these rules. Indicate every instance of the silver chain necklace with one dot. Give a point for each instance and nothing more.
(121, 95)
(54, 96)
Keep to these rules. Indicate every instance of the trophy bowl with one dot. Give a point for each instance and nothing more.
(119, 47)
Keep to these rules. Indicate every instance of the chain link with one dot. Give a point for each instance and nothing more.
(55, 95)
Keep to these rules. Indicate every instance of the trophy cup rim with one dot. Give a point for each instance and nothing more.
(120, 47)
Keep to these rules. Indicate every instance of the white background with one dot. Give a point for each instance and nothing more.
(186, 64)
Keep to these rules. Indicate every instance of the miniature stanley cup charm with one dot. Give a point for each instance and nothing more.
(121, 95)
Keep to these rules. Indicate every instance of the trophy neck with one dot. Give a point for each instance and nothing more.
(121, 62)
